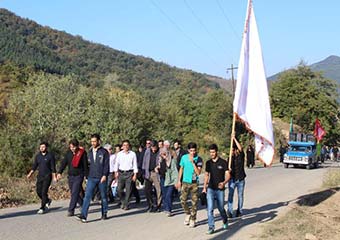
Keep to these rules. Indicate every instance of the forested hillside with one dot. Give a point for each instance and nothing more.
(26, 43)
(55, 86)
(329, 67)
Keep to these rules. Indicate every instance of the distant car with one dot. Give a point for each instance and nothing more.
(301, 152)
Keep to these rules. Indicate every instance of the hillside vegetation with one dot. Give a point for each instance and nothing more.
(26, 43)
(55, 86)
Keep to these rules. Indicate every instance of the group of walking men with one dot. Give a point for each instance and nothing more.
(162, 169)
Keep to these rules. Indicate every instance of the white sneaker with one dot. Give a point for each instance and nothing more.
(186, 219)
(48, 204)
(192, 223)
(41, 211)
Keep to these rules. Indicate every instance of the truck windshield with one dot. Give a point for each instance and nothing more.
(300, 149)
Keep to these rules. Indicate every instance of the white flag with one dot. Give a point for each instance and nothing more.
(251, 102)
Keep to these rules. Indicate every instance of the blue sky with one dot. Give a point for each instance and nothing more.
(202, 35)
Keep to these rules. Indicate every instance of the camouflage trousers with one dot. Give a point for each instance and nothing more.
(190, 188)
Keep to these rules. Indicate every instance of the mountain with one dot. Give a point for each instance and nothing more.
(27, 44)
(330, 67)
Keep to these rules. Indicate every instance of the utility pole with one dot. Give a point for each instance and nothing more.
(233, 132)
(232, 77)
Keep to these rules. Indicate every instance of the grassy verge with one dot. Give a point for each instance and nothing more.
(332, 179)
(314, 216)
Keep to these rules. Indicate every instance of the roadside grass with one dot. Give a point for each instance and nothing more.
(20, 191)
(332, 179)
(294, 225)
(313, 216)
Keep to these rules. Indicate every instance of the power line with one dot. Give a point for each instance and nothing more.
(183, 32)
(229, 22)
(205, 28)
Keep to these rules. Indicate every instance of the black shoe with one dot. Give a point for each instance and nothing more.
(149, 209)
(104, 216)
(157, 210)
(229, 214)
(70, 214)
(238, 213)
(82, 219)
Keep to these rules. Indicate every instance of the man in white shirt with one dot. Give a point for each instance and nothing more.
(126, 171)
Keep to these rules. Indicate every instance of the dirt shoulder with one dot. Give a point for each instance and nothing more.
(15, 192)
(312, 216)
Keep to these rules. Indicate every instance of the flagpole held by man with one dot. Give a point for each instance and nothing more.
(251, 103)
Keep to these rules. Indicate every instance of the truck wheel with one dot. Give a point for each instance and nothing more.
(316, 165)
(285, 165)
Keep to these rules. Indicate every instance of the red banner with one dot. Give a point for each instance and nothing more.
(319, 132)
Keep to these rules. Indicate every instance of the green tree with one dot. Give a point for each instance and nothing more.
(306, 95)
(49, 108)
(56, 109)
(215, 118)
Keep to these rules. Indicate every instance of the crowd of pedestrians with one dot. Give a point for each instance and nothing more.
(115, 174)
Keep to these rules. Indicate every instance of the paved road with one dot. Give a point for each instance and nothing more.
(268, 191)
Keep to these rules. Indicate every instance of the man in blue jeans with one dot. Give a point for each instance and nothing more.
(98, 158)
(237, 178)
(215, 178)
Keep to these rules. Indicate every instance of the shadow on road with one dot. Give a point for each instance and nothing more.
(28, 213)
(269, 212)
(260, 214)
(314, 199)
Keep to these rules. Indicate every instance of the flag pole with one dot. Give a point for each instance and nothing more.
(232, 140)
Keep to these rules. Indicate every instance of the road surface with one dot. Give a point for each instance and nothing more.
(267, 193)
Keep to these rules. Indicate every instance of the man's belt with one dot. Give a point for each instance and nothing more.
(125, 171)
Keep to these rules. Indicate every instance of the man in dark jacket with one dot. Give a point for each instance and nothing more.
(250, 156)
(98, 173)
(151, 175)
(76, 161)
(179, 152)
(45, 162)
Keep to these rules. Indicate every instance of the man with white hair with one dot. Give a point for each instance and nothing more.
(167, 144)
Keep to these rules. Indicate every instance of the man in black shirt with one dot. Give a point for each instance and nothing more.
(76, 160)
(45, 162)
(237, 178)
(215, 178)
